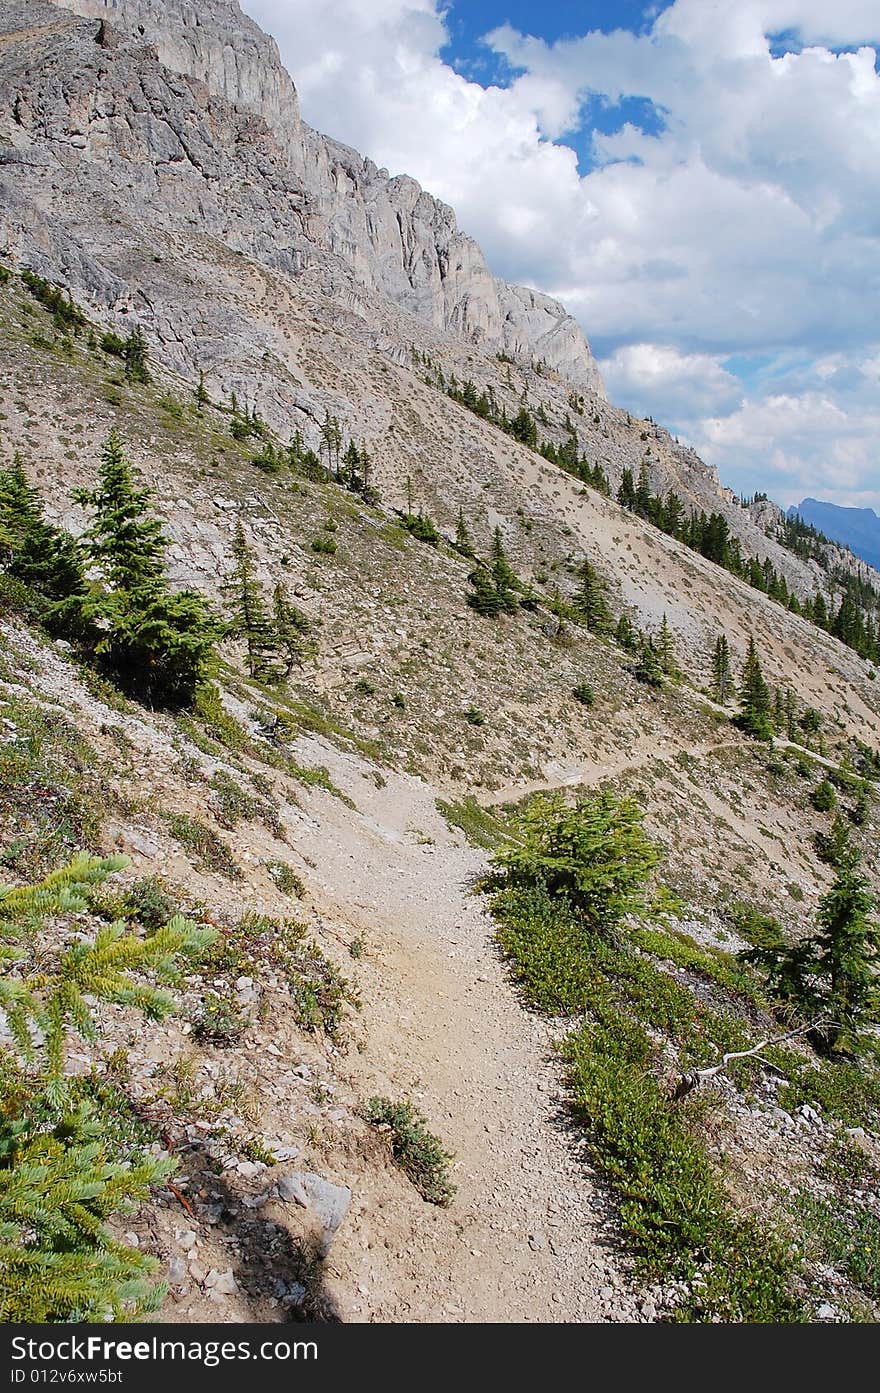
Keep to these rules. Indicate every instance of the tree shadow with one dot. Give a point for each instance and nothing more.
(281, 1275)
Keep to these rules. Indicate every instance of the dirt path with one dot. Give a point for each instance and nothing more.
(528, 1237)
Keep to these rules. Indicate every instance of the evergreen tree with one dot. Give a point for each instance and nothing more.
(292, 630)
(495, 585)
(648, 669)
(722, 671)
(503, 576)
(590, 605)
(847, 956)
(125, 541)
(791, 721)
(42, 557)
(463, 543)
(159, 645)
(626, 494)
(665, 647)
(755, 704)
(644, 498)
(626, 634)
(201, 395)
(61, 1173)
(249, 616)
(824, 797)
(136, 356)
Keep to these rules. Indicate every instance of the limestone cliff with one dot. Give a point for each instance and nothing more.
(396, 239)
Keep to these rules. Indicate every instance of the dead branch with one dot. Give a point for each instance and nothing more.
(688, 1082)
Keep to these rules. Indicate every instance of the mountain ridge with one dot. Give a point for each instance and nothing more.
(856, 528)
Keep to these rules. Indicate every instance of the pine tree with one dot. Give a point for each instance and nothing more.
(61, 1174)
(292, 630)
(590, 605)
(136, 356)
(249, 616)
(722, 672)
(463, 543)
(665, 647)
(648, 669)
(755, 705)
(626, 634)
(125, 541)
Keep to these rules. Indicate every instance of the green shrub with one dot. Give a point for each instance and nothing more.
(418, 1152)
(324, 545)
(203, 844)
(594, 854)
(584, 693)
(823, 797)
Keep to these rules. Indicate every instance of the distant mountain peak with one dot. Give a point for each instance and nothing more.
(856, 528)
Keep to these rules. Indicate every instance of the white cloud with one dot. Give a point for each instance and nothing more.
(748, 222)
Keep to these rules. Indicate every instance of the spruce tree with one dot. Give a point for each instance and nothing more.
(755, 702)
(847, 955)
(648, 669)
(41, 556)
(248, 614)
(63, 1172)
(463, 543)
(665, 647)
(503, 576)
(201, 395)
(292, 630)
(590, 605)
(136, 356)
(626, 634)
(722, 672)
(125, 541)
(626, 494)
(159, 644)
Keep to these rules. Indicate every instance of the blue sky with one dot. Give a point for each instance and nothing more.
(698, 181)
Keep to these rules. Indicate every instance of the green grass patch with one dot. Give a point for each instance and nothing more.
(673, 1206)
(482, 828)
(319, 994)
(205, 848)
(53, 796)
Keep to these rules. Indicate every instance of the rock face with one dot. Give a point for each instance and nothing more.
(392, 237)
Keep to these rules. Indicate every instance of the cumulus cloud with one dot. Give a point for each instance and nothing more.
(741, 219)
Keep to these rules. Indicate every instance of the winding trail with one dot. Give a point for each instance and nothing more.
(530, 1236)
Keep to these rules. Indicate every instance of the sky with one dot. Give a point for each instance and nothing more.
(698, 181)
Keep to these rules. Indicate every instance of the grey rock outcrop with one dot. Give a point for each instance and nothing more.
(391, 237)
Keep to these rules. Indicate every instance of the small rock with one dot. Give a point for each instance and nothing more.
(250, 1168)
(826, 1312)
(196, 1271)
(187, 1240)
(327, 1202)
(537, 1242)
(226, 1284)
(177, 1272)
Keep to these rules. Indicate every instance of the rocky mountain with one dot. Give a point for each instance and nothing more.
(328, 204)
(856, 528)
(304, 357)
